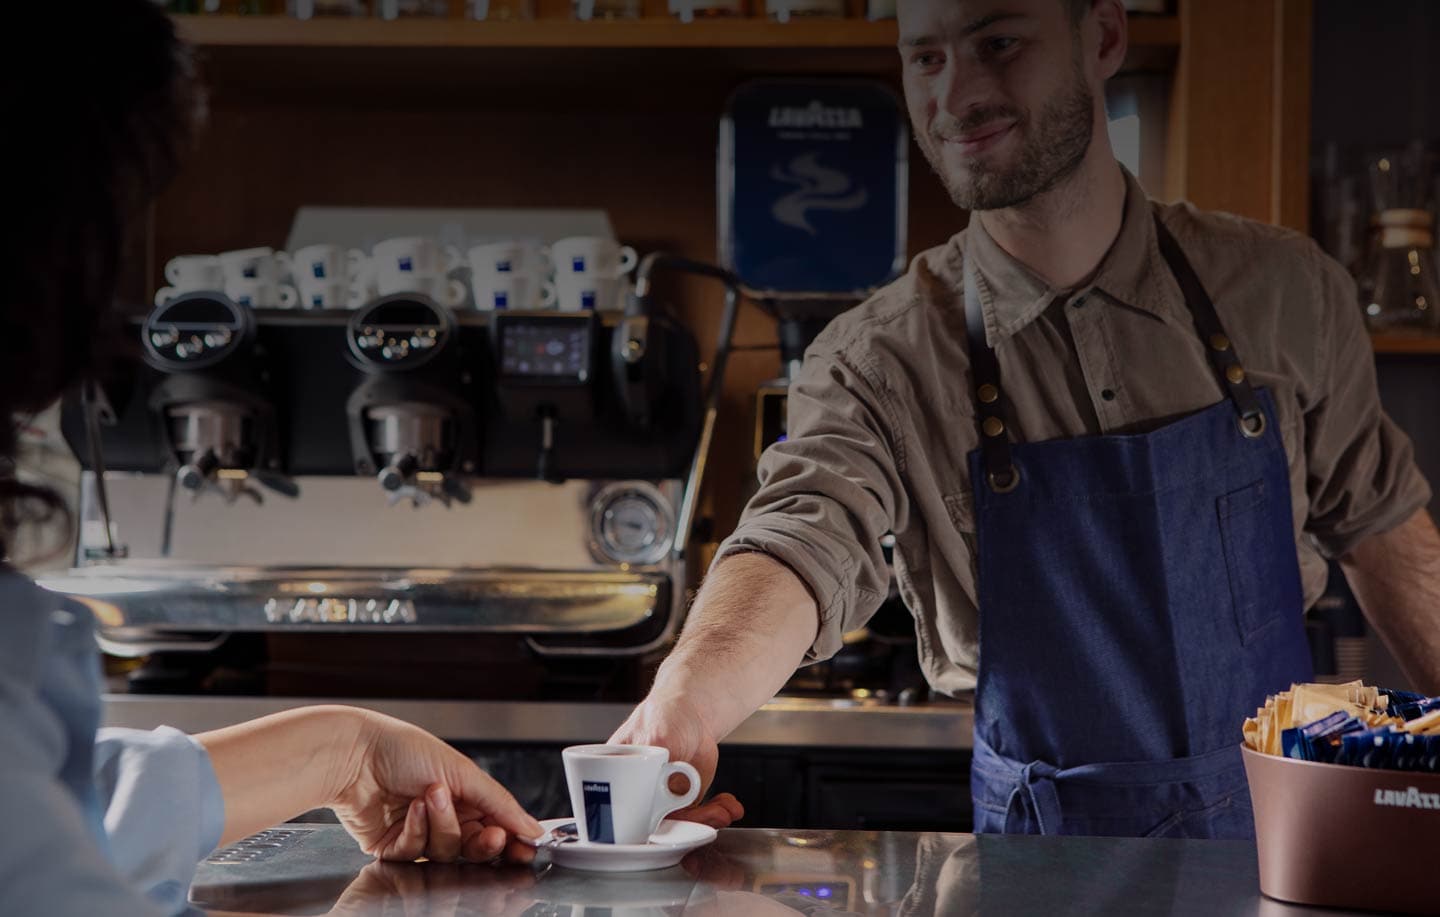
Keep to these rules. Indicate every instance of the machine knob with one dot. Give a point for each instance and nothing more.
(393, 476)
(194, 475)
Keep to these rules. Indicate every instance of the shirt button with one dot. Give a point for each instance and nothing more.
(1108, 394)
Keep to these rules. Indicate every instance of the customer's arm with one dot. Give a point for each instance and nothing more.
(399, 790)
(804, 566)
(1395, 576)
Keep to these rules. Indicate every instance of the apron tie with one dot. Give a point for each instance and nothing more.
(1035, 791)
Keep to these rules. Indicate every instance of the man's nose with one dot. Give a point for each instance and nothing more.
(966, 86)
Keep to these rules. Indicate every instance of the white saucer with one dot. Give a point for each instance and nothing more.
(668, 846)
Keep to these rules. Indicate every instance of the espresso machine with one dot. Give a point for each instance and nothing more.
(400, 500)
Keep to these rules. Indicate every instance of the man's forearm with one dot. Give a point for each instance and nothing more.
(747, 632)
(1396, 578)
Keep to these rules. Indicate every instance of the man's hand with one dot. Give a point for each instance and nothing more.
(406, 794)
(674, 723)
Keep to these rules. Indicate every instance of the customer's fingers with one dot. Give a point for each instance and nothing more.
(443, 844)
(409, 843)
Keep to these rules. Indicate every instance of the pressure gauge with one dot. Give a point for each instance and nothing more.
(631, 523)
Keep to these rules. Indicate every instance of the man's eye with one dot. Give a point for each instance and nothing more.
(927, 59)
(1000, 44)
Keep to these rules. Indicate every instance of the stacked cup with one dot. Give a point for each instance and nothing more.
(590, 273)
(330, 276)
(510, 275)
(252, 277)
(188, 274)
(414, 264)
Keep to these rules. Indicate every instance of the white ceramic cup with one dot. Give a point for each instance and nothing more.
(523, 257)
(414, 256)
(331, 295)
(619, 793)
(588, 294)
(255, 294)
(195, 272)
(438, 287)
(325, 262)
(261, 265)
(511, 291)
(591, 256)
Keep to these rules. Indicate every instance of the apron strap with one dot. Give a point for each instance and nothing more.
(1001, 473)
(1218, 346)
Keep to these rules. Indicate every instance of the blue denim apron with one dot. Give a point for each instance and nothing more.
(1139, 597)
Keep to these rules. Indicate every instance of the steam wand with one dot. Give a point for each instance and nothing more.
(635, 327)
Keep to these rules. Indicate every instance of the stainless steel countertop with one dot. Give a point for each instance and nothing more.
(765, 873)
(794, 722)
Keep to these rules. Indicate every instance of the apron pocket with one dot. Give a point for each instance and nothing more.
(1246, 538)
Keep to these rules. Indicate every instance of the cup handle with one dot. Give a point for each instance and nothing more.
(286, 295)
(454, 294)
(453, 258)
(628, 260)
(172, 270)
(548, 296)
(164, 295)
(357, 262)
(283, 263)
(666, 801)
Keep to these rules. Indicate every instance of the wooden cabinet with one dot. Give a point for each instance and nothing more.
(624, 116)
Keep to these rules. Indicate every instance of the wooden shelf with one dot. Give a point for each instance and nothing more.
(1414, 344)
(654, 32)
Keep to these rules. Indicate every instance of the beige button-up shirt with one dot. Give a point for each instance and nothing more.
(882, 413)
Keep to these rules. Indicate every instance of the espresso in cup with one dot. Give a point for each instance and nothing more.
(619, 793)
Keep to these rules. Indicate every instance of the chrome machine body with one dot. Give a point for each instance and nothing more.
(351, 492)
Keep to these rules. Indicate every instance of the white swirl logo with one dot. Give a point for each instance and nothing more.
(817, 188)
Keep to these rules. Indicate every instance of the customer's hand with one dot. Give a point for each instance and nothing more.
(404, 794)
(673, 723)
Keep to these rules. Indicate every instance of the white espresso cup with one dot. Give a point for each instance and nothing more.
(588, 294)
(387, 281)
(325, 275)
(520, 257)
(414, 256)
(619, 793)
(195, 272)
(511, 291)
(261, 265)
(254, 294)
(591, 256)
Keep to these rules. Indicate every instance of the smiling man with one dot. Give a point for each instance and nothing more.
(1116, 442)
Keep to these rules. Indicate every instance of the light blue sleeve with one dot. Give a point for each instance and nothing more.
(162, 808)
(51, 861)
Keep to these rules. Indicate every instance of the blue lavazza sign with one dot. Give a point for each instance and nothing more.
(812, 185)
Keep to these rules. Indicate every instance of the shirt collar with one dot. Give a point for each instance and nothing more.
(1132, 274)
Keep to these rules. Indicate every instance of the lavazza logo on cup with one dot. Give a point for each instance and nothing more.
(1410, 798)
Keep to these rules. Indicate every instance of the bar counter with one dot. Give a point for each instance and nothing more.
(765, 873)
(791, 722)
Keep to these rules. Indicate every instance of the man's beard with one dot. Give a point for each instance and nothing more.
(1054, 147)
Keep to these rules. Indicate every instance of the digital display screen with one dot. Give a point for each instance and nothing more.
(546, 349)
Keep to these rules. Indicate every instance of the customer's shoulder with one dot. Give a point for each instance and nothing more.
(900, 315)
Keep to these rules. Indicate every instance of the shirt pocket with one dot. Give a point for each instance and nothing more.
(1248, 542)
(960, 507)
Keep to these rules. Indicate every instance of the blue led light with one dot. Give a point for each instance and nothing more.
(823, 893)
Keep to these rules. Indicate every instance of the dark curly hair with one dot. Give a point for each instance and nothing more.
(100, 98)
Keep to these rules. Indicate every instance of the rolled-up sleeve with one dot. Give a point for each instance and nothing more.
(163, 808)
(1361, 474)
(828, 493)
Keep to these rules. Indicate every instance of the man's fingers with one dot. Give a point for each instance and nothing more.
(443, 843)
(409, 844)
(719, 812)
(480, 790)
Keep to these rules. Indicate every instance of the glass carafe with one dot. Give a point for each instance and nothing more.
(1398, 283)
